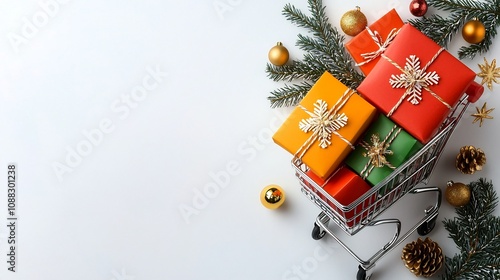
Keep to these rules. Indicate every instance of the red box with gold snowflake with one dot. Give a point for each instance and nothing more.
(416, 83)
(367, 47)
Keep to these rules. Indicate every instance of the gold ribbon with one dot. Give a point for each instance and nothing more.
(416, 80)
(376, 151)
(322, 125)
(382, 46)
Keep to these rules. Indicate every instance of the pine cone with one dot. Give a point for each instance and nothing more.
(423, 258)
(470, 160)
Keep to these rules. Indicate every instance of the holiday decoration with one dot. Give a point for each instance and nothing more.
(482, 114)
(489, 73)
(423, 257)
(382, 149)
(367, 47)
(413, 85)
(353, 22)
(442, 29)
(278, 55)
(457, 194)
(476, 233)
(470, 159)
(474, 31)
(324, 51)
(272, 196)
(418, 8)
(322, 129)
(343, 186)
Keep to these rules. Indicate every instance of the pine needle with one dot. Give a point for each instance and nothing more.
(324, 51)
(476, 232)
(442, 30)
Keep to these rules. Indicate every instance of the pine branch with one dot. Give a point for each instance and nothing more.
(294, 71)
(441, 30)
(289, 95)
(476, 232)
(470, 5)
(324, 51)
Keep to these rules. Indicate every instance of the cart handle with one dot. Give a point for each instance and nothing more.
(474, 92)
(430, 189)
(388, 221)
(322, 221)
(371, 262)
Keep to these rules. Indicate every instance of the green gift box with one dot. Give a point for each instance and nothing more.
(383, 148)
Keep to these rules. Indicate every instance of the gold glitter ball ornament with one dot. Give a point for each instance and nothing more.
(457, 194)
(470, 159)
(272, 197)
(278, 55)
(353, 22)
(423, 257)
(474, 31)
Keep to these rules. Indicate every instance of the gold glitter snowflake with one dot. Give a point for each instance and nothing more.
(489, 73)
(482, 114)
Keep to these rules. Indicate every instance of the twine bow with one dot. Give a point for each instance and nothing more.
(377, 150)
(382, 45)
(414, 79)
(324, 123)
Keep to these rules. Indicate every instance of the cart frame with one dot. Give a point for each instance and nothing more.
(404, 179)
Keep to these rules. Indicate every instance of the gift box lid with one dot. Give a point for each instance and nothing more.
(385, 142)
(389, 88)
(366, 47)
(344, 185)
(324, 127)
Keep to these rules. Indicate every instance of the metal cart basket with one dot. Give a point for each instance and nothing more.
(363, 211)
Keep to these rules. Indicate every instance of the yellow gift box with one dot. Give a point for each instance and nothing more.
(323, 129)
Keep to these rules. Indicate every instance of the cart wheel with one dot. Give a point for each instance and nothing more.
(317, 233)
(427, 227)
(361, 274)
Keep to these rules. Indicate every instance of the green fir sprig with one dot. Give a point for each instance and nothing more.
(476, 232)
(442, 29)
(324, 51)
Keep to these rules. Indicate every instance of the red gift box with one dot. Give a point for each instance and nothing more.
(344, 186)
(368, 45)
(416, 83)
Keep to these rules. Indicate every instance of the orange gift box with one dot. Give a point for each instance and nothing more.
(366, 48)
(345, 187)
(416, 83)
(323, 128)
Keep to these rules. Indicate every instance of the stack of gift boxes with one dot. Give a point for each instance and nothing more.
(352, 139)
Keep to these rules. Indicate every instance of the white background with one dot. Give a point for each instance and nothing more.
(115, 212)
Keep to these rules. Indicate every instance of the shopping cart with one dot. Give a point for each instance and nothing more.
(404, 179)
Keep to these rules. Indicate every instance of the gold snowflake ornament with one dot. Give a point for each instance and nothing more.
(482, 114)
(489, 73)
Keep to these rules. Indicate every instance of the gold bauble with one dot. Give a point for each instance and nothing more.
(353, 22)
(272, 196)
(474, 31)
(457, 194)
(278, 55)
